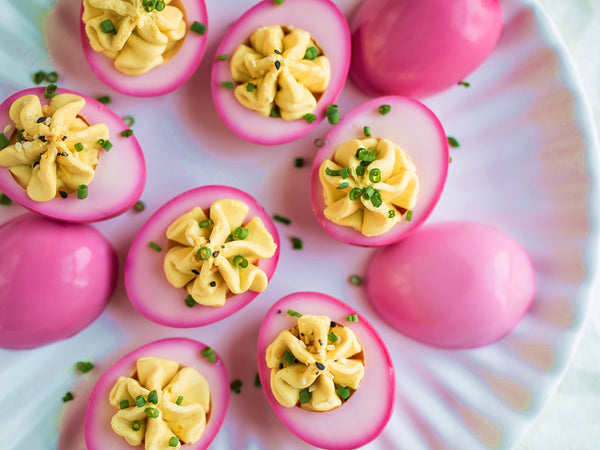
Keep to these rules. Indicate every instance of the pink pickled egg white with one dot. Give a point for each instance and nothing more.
(419, 48)
(366, 413)
(416, 130)
(119, 177)
(145, 281)
(56, 280)
(327, 26)
(187, 352)
(164, 78)
(452, 284)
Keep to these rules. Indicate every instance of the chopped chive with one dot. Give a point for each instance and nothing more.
(391, 213)
(241, 233)
(5, 200)
(299, 162)
(190, 302)
(352, 318)
(209, 354)
(179, 400)
(222, 57)
(198, 28)
(136, 425)
(160, 5)
(51, 77)
(250, 87)
(343, 392)
(345, 172)
(368, 192)
(124, 404)
(3, 141)
(203, 253)
(360, 171)
(408, 215)
(319, 142)
(82, 191)
(152, 412)
(291, 312)
(67, 397)
(104, 99)
(38, 77)
(311, 53)
(174, 441)
(375, 175)
(63, 194)
(275, 112)
(129, 121)
(332, 172)
(343, 185)
(278, 2)
(367, 155)
(78, 147)
(257, 380)
(464, 83)
(376, 199)
(153, 397)
(206, 223)
(139, 206)
(333, 114)
(304, 395)
(140, 401)
(355, 280)
(84, 366)
(227, 84)
(453, 142)
(288, 357)
(105, 144)
(127, 133)
(50, 91)
(236, 386)
(108, 26)
(240, 261)
(449, 159)
(149, 5)
(355, 193)
(384, 109)
(331, 337)
(297, 243)
(154, 246)
(282, 219)
(309, 118)
(367, 131)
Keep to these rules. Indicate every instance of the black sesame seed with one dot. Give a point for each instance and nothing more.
(195, 272)
(36, 163)
(277, 51)
(277, 65)
(63, 194)
(222, 246)
(42, 138)
(320, 366)
(280, 366)
(278, 311)
(64, 138)
(213, 283)
(215, 254)
(41, 119)
(332, 324)
(320, 342)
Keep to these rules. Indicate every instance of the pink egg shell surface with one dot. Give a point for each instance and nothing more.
(452, 284)
(98, 432)
(417, 131)
(328, 27)
(419, 48)
(164, 78)
(146, 283)
(119, 178)
(365, 414)
(56, 280)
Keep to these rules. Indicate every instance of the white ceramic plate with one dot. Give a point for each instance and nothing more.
(527, 164)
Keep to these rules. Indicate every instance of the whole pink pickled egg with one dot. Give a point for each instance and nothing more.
(55, 279)
(452, 284)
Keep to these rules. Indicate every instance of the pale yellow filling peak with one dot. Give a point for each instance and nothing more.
(210, 281)
(275, 66)
(43, 158)
(185, 421)
(320, 364)
(142, 40)
(397, 187)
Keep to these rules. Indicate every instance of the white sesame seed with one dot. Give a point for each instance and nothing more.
(312, 388)
(19, 146)
(190, 241)
(271, 99)
(55, 151)
(253, 63)
(7, 128)
(331, 347)
(332, 401)
(31, 118)
(48, 121)
(27, 145)
(343, 360)
(303, 381)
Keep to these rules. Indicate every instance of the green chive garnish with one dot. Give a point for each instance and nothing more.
(39, 76)
(464, 83)
(51, 77)
(345, 172)
(139, 401)
(333, 114)
(82, 191)
(124, 404)
(240, 261)
(3, 141)
(352, 318)
(104, 99)
(391, 213)
(78, 147)
(222, 57)
(227, 84)
(331, 337)
(449, 159)
(297, 243)
(174, 441)
(50, 91)
(375, 175)
(408, 215)
(278, 2)
(331, 172)
(108, 26)
(368, 192)
(160, 5)
(139, 206)
(453, 142)
(68, 397)
(288, 357)
(206, 223)
(367, 131)
(305, 395)
(275, 112)
(240, 233)
(179, 400)
(376, 199)
(84, 366)
(311, 53)
(355, 193)
(105, 144)
(250, 87)
(355, 280)
(367, 155)
(299, 162)
(152, 412)
(136, 425)
(319, 142)
(291, 312)
(384, 109)
(257, 380)
(129, 121)
(127, 133)
(190, 302)
(360, 171)
(149, 5)
(236, 386)
(343, 185)
(343, 392)
(209, 354)
(154, 246)
(153, 397)
(198, 28)
(203, 253)
(282, 219)
(5, 199)
(309, 118)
